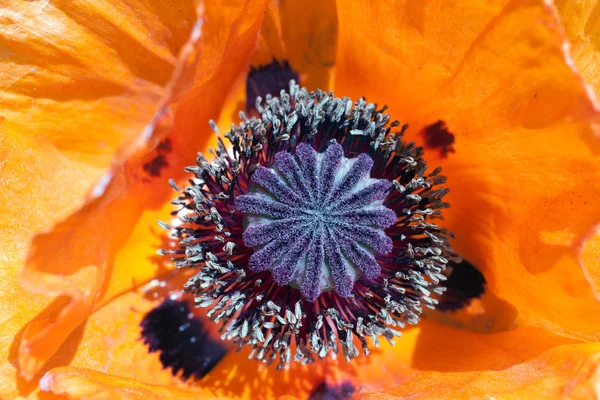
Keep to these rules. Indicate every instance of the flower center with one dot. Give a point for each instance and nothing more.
(314, 231)
(317, 220)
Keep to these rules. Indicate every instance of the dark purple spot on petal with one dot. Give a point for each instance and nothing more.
(268, 79)
(180, 337)
(332, 392)
(156, 165)
(464, 284)
(165, 146)
(437, 136)
(159, 161)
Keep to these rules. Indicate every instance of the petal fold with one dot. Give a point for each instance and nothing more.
(581, 22)
(421, 358)
(103, 248)
(82, 383)
(526, 163)
(563, 372)
(304, 34)
(79, 83)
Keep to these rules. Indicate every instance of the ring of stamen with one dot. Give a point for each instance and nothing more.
(243, 288)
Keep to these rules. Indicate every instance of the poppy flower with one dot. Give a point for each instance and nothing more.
(104, 102)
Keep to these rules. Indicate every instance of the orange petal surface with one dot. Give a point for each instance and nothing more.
(304, 34)
(107, 246)
(563, 372)
(581, 22)
(71, 97)
(590, 257)
(428, 357)
(80, 383)
(104, 235)
(525, 172)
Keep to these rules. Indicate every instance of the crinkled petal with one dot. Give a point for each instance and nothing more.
(85, 78)
(116, 234)
(73, 104)
(581, 22)
(589, 257)
(77, 257)
(525, 172)
(571, 371)
(304, 34)
(83, 383)
(431, 353)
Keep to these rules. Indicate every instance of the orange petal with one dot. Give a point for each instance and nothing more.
(270, 41)
(581, 22)
(98, 68)
(570, 371)
(590, 258)
(81, 383)
(429, 348)
(109, 343)
(303, 33)
(71, 98)
(525, 172)
(76, 259)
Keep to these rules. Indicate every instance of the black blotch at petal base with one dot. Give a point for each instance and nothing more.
(268, 79)
(323, 391)
(185, 346)
(464, 284)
